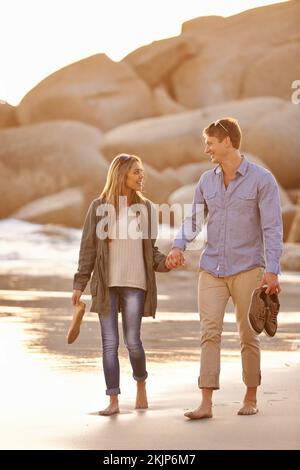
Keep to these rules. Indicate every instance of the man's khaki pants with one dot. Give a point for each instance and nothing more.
(213, 295)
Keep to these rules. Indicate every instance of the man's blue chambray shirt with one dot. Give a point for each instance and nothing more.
(244, 228)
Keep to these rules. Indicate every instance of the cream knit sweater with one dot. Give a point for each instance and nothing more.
(126, 260)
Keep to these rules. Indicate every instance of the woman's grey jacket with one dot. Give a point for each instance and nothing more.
(93, 258)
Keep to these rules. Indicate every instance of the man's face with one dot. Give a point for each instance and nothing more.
(217, 150)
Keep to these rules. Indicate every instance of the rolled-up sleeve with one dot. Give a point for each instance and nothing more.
(88, 250)
(193, 223)
(271, 222)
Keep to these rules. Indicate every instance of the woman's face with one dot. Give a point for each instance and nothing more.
(135, 177)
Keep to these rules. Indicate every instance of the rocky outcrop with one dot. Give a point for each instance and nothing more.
(275, 139)
(290, 260)
(154, 62)
(159, 185)
(7, 115)
(191, 172)
(294, 195)
(163, 103)
(205, 80)
(294, 234)
(155, 103)
(175, 140)
(43, 159)
(274, 72)
(253, 53)
(66, 208)
(95, 90)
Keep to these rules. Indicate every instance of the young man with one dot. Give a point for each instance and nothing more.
(242, 252)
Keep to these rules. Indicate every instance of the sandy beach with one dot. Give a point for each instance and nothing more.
(52, 392)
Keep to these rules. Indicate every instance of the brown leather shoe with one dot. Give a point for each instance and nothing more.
(74, 329)
(257, 310)
(272, 311)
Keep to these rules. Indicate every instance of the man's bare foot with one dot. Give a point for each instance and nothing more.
(202, 412)
(141, 402)
(249, 408)
(112, 409)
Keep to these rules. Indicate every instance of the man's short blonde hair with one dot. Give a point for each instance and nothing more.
(225, 127)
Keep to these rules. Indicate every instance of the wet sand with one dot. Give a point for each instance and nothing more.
(51, 392)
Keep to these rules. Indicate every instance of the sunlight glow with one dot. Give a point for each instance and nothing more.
(37, 38)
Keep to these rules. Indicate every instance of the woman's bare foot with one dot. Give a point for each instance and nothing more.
(113, 407)
(202, 412)
(141, 401)
(249, 408)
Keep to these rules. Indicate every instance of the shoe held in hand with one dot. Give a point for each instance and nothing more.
(74, 329)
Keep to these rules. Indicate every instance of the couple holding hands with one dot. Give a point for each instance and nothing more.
(241, 253)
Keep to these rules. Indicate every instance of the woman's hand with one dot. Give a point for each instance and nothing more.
(175, 258)
(76, 296)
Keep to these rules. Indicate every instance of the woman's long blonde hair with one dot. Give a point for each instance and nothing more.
(115, 185)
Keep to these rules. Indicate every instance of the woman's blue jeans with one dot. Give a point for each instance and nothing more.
(132, 306)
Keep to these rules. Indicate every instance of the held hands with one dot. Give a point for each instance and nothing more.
(271, 280)
(175, 259)
(76, 296)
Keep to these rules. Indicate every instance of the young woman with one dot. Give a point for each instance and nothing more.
(118, 246)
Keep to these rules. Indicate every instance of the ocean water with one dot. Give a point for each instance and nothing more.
(35, 249)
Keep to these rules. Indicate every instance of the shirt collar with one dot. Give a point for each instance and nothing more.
(241, 169)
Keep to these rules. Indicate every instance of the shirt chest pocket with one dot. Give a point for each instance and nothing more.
(210, 198)
(246, 201)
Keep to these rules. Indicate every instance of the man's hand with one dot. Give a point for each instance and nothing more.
(76, 296)
(175, 258)
(271, 280)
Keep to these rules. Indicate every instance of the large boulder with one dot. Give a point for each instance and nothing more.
(294, 235)
(155, 61)
(159, 184)
(231, 47)
(274, 72)
(7, 115)
(163, 103)
(65, 208)
(261, 22)
(290, 260)
(95, 90)
(294, 195)
(191, 172)
(43, 159)
(288, 212)
(203, 25)
(69, 207)
(183, 195)
(275, 139)
(161, 142)
(175, 140)
(202, 82)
